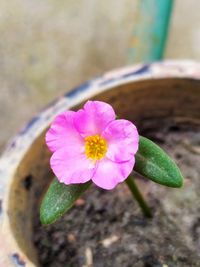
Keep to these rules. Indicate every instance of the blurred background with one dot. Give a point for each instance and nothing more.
(48, 47)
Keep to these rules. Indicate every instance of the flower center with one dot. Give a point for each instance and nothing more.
(95, 147)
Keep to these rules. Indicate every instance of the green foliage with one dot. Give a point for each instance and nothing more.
(153, 163)
(58, 199)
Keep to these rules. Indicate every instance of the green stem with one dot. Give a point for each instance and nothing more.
(138, 196)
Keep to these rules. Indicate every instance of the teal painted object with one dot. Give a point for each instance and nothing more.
(150, 31)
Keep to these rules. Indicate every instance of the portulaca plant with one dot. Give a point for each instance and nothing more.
(92, 146)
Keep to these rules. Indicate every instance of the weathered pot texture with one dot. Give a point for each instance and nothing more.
(167, 90)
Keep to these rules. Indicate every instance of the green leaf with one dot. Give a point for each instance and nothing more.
(58, 199)
(153, 163)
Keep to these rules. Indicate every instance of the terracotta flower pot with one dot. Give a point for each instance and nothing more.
(166, 91)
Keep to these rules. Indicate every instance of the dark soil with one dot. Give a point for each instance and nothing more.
(107, 228)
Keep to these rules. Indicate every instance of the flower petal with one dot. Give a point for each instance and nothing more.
(71, 167)
(93, 118)
(108, 173)
(122, 139)
(63, 133)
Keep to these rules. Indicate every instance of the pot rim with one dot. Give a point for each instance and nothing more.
(17, 148)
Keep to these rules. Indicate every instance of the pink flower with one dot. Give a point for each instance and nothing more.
(91, 144)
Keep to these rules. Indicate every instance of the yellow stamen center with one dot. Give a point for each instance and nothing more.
(95, 147)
